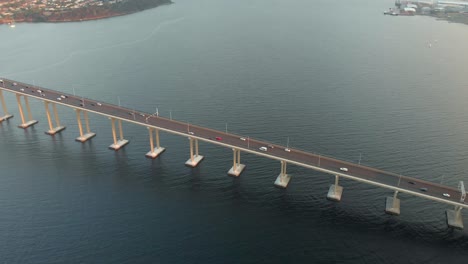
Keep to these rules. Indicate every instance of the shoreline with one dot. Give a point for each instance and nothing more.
(72, 16)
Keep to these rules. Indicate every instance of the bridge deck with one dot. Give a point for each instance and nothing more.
(309, 160)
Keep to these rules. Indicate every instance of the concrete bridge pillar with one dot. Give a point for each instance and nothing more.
(237, 167)
(53, 130)
(392, 205)
(6, 115)
(335, 191)
(194, 159)
(25, 124)
(121, 141)
(154, 152)
(454, 218)
(83, 137)
(283, 178)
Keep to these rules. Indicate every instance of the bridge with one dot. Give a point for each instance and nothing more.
(339, 169)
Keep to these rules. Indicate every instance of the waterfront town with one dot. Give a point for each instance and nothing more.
(449, 10)
(14, 11)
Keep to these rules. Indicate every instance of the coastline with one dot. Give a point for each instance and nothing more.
(82, 15)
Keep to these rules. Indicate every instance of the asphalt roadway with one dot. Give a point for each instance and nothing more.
(433, 191)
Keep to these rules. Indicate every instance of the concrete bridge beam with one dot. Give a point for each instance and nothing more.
(83, 137)
(6, 115)
(25, 124)
(283, 178)
(52, 130)
(194, 159)
(154, 152)
(335, 191)
(237, 167)
(454, 218)
(392, 205)
(118, 144)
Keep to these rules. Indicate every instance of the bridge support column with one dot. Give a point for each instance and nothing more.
(117, 143)
(194, 159)
(454, 218)
(283, 178)
(83, 137)
(237, 167)
(335, 191)
(154, 152)
(392, 205)
(53, 130)
(5, 111)
(25, 124)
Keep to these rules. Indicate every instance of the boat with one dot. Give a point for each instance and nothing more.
(390, 13)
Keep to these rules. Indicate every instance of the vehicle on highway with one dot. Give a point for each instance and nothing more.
(92, 104)
(1, 81)
(219, 138)
(271, 146)
(424, 189)
(287, 150)
(446, 195)
(263, 149)
(22, 89)
(63, 96)
(410, 182)
(39, 91)
(344, 169)
(58, 98)
(99, 104)
(191, 133)
(14, 84)
(242, 138)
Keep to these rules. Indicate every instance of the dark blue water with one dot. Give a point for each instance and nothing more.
(336, 77)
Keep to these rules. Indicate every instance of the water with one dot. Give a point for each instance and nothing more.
(337, 78)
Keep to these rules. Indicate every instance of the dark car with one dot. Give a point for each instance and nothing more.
(423, 189)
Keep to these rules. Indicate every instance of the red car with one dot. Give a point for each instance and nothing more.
(218, 138)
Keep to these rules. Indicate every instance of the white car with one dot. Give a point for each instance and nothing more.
(39, 91)
(14, 84)
(99, 104)
(58, 98)
(287, 150)
(242, 138)
(263, 149)
(446, 195)
(191, 133)
(344, 169)
(63, 96)
(22, 89)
